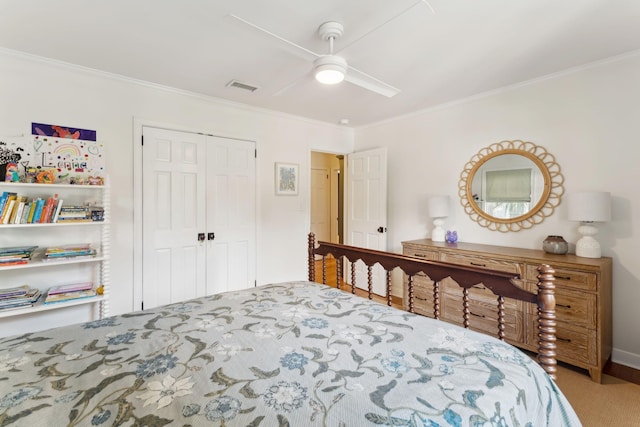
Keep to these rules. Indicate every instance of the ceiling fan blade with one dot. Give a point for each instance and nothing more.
(292, 84)
(377, 27)
(297, 49)
(368, 82)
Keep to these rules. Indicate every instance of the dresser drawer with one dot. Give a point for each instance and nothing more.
(418, 252)
(575, 346)
(476, 293)
(484, 317)
(483, 262)
(583, 280)
(422, 295)
(423, 306)
(574, 307)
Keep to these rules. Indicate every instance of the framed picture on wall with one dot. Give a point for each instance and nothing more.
(286, 179)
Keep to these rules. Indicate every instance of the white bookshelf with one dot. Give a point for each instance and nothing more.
(59, 233)
(41, 306)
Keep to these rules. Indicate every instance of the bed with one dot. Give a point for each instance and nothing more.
(288, 354)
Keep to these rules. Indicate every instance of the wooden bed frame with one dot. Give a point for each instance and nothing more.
(502, 284)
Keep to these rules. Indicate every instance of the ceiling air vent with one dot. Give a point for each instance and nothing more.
(240, 85)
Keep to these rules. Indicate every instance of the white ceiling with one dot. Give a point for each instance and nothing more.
(434, 52)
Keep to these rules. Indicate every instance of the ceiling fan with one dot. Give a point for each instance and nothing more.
(330, 68)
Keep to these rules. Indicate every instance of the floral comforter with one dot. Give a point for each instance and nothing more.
(298, 354)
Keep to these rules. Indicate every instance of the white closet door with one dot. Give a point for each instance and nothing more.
(174, 173)
(367, 209)
(231, 214)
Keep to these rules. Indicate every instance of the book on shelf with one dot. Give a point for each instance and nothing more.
(72, 287)
(11, 201)
(69, 296)
(47, 210)
(97, 213)
(61, 220)
(74, 251)
(3, 201)
(15, 218)
(32, 210)
(69, 213)
(69, 258)
(9, 250)
(4, 263)
(57, 212)
(16, 255)
(25, 213)
(68, 247)
(11, 292)
(23, 300)
(7, 196)
(37, 213)
(16, 207)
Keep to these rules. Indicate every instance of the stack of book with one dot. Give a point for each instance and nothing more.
(74, 214)
(16, 255)
(70, 292)
(18, 297)
(66, 252)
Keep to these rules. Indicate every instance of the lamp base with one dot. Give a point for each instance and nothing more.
(587, 246)
(438, 233)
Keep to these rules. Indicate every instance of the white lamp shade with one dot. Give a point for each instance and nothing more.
(590, 206)
(439, 206)
(330, 69)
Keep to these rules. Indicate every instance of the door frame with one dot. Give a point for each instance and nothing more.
(330, 171)
(138, 124)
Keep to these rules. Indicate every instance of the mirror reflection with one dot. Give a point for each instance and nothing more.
(510, 185)
(507, 186)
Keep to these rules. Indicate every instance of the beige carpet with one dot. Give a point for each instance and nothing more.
(613, 403)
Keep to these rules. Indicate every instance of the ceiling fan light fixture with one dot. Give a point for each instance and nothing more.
(330, 69)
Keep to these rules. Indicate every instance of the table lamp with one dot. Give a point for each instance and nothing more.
(589, 207)
(438, 209)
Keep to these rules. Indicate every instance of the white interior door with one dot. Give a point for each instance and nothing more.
(367, 209)
(196, 185)
(231, 214)
(174, 173)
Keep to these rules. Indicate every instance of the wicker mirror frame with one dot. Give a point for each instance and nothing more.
(551, 194)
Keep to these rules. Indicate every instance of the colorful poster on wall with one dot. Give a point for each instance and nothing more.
(56, 154)
(58, 131)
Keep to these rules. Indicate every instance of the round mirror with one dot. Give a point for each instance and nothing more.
(510, 185)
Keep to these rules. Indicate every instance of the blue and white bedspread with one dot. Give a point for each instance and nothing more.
(298, 354)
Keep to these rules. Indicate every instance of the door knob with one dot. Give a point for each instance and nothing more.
(382, 229)
(211, 236)
(200, 237)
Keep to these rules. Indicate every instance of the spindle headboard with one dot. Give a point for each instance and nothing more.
(502, 284)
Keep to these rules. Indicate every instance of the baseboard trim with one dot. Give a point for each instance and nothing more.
(622, 372)
(625, 358)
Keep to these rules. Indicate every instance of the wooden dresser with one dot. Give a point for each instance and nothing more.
(583, 298)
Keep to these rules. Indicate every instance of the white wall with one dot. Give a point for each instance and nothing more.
(34, 90)
(589, 119)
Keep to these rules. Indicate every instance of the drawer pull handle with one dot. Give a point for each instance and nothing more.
(564, 305)
(563, 277)
(563, 339)
(419, 255)
(477, 315)
(477, 264)
(482, 288)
